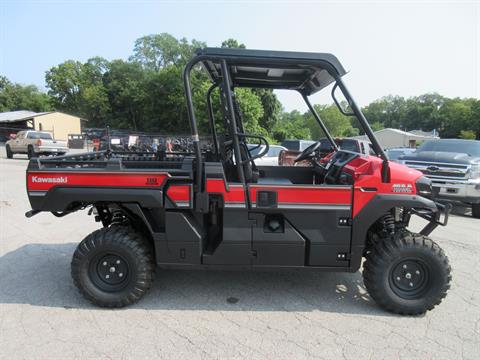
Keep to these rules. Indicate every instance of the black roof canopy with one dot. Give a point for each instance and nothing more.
(302, 71)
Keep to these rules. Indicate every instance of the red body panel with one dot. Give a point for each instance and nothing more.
(181, 195)
(42, 181)
(366, 173)
(179, 192)
(234, 195)
(306, 194)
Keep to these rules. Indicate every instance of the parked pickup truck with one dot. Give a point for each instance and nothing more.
(453, 165)
(34, 143)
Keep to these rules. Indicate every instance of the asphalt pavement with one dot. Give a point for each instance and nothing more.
(200, 315)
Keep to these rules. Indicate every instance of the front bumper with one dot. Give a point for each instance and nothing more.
(434, 218)
(467, 191)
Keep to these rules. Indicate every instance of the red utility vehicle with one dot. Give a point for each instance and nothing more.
(213, 208)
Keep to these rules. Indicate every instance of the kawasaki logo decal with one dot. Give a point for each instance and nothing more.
(55, 180)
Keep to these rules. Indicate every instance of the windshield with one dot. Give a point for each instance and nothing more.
(471, 148)
(39, 135)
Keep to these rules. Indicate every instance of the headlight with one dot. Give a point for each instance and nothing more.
(475, 171)
(424, 187)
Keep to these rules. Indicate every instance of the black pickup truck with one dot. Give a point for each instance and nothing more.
(453, 165)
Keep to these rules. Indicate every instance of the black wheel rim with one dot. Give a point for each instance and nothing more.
(109, 272)
(409, 278)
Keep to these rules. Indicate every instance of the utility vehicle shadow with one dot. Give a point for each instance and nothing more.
(39, 274)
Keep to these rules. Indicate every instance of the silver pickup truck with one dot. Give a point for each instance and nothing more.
(34, 143)
(453, 165)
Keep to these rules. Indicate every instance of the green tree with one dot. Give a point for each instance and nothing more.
(292, 125)
(22, 97)
(157, 51)
(467, 134)
(125, 85)
(78, 88)
(232, 43)
(455, 116)
(337, 124)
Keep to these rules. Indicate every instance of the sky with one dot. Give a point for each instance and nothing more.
(389, 47)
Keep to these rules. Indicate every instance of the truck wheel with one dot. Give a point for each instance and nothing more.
(476, 211)
(113, 267)
(31, 152)
(407, 275)
(9, 152)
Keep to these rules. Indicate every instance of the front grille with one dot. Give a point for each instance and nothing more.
(440, 170)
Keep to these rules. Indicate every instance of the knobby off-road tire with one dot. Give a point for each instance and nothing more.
(476, 211)
(408, 275)
(113, 267)
(9, 152)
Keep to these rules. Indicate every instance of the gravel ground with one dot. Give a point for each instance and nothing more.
(253, 315)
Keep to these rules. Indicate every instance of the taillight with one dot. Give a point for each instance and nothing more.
(39, 142)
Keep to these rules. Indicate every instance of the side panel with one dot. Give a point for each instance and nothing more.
(43, 181)
(56, 191)
(319, 216)
(233, 196)
(180, 195)
(235, 246)
(183, 239)
(277, 245)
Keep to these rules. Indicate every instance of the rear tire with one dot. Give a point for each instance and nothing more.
(408, 275)
(9, 152)
(476, 211)
(113, 267)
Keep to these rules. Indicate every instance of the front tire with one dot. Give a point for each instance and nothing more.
(9, 152)
(407, 275)
(476, 211)
(113, 267)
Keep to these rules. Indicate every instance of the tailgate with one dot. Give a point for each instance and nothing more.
(54, 144)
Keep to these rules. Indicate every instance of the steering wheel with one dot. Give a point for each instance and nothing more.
(308, 152)
(336, 164)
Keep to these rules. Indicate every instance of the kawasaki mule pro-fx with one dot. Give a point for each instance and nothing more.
(213, 208)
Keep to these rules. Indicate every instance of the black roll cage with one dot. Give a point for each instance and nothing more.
(225, 85)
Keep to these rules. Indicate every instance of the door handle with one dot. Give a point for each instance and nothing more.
(267, 199)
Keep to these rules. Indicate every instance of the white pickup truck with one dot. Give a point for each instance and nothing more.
(34, 143)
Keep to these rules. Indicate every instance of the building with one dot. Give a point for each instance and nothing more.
(58, 123)
(394, 138)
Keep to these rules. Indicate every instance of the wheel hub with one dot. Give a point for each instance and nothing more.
(409, 278)
(112, 269)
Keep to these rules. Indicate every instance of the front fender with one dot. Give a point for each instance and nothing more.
(376, 208)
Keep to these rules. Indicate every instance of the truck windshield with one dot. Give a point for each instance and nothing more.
(471, 148)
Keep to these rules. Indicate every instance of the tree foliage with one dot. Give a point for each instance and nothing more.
(17, 97)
